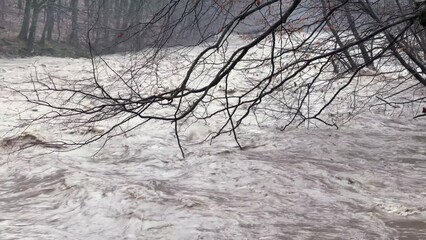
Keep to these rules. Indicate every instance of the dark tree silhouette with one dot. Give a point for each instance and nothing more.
(23, 34)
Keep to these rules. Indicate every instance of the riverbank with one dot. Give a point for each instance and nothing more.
(16, 48)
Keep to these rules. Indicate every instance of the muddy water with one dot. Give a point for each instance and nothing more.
(365, 181)
(409, 229)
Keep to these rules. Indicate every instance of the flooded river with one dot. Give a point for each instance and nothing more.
(366, 180)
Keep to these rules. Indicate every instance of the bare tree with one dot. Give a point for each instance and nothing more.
(286, 69)
(23, 34)
(38, 6)
(50, 22)
(74, 32)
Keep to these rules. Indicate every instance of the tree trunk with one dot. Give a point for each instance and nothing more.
(43, 35)
(50, 25)
(130, 13)
(117, 13)
(74, 23)
(357, 36)
(107, 13)
(23, 34)
(352, 63)
(33, 28)
(50, 22)
(58, 21)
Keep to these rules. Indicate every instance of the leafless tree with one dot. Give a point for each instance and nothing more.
(299, 62)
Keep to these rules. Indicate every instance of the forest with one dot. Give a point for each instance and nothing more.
(109, 25)
(122, 25)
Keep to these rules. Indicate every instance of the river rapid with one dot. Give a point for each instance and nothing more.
(366, 180)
